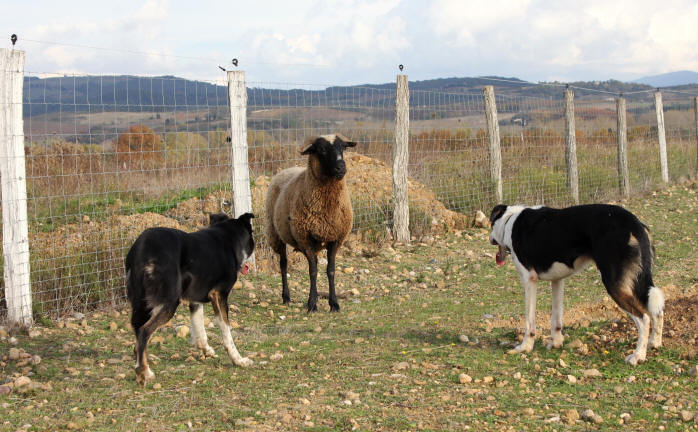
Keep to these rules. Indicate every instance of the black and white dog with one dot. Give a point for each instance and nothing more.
(552, 244)
(165, 265)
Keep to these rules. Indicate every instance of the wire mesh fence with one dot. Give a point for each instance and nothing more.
(104, 164)
(108, 156)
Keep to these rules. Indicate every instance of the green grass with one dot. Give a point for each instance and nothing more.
(412, 306)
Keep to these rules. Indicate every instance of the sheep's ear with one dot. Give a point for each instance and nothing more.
(309, 144)
(347, 142)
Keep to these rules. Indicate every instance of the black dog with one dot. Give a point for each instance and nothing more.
(165, 265)
(552, 244)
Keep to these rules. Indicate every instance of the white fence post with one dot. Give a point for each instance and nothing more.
(658, 106)
(495, 151)
(15, 238)
(622, 133)
(571, 147)
(240, 182)
(401, 211)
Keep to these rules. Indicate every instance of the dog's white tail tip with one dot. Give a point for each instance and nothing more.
(655, 302)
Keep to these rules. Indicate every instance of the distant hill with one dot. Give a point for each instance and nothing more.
(168, 93)
(670, 79)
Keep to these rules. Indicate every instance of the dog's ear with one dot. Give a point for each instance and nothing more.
(214, 218)
(246, 218)
(497, 212)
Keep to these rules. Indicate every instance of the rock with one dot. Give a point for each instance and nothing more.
(354, 292)
(113, 326)
(401, 366)
(35, 360)
(14, 354)
(487, 379)
(182, 331)
(577, 343)
(464, 338)
(157, 386)
(349, 270)
(529, 411)
(73, 426)
(3, 332)
(562, 363)
(686, 415)
(33, 333)
(304, 401)
(79, 316)
(317, 329)
(481, 220)
(693, 371)
(22, 381)
(618, 389)
(247, 285)
(571, 379)
(352, 396)
(5, 390)
(276, 357)
(12, 340)
(591, 417)
(630, 379)
(591, 373)
(464, 378)
(517, 375)
(571, 416)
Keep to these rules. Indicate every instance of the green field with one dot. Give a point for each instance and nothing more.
(391, 359)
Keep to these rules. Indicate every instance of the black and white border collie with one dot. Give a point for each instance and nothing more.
(552, 244)
(165, 265)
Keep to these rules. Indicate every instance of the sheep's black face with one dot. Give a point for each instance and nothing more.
(329, 152)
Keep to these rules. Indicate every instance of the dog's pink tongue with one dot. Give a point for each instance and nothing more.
(245, 268)
(501, 256)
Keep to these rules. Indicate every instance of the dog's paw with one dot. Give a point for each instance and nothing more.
(634, 358)
(524, 346)
(655, 343)
(143, 375)
(244, 362)
(555, 343)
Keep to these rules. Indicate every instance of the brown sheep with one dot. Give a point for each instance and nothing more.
(309, 209)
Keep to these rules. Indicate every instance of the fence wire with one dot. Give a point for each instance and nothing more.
(108, 156)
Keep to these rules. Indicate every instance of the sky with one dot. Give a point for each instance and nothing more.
(356, 41)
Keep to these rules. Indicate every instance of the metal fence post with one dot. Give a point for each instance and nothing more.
(15, 238)
(401, 211)
(571, 147)
(240, 181)
(695, 116)
(661, 135)
(622, 133)
(495, 151)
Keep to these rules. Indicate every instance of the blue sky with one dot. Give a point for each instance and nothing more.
(356, 41)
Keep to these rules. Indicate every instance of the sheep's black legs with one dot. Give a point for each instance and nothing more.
(312, 266)
(283, 263)
(331, 254)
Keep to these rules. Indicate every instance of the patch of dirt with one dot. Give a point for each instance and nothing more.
(680, 319)
(680, 326)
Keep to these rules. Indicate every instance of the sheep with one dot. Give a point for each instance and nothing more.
(309, 209)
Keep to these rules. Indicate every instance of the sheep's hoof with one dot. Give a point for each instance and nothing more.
(334, 308)
(286, 300)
